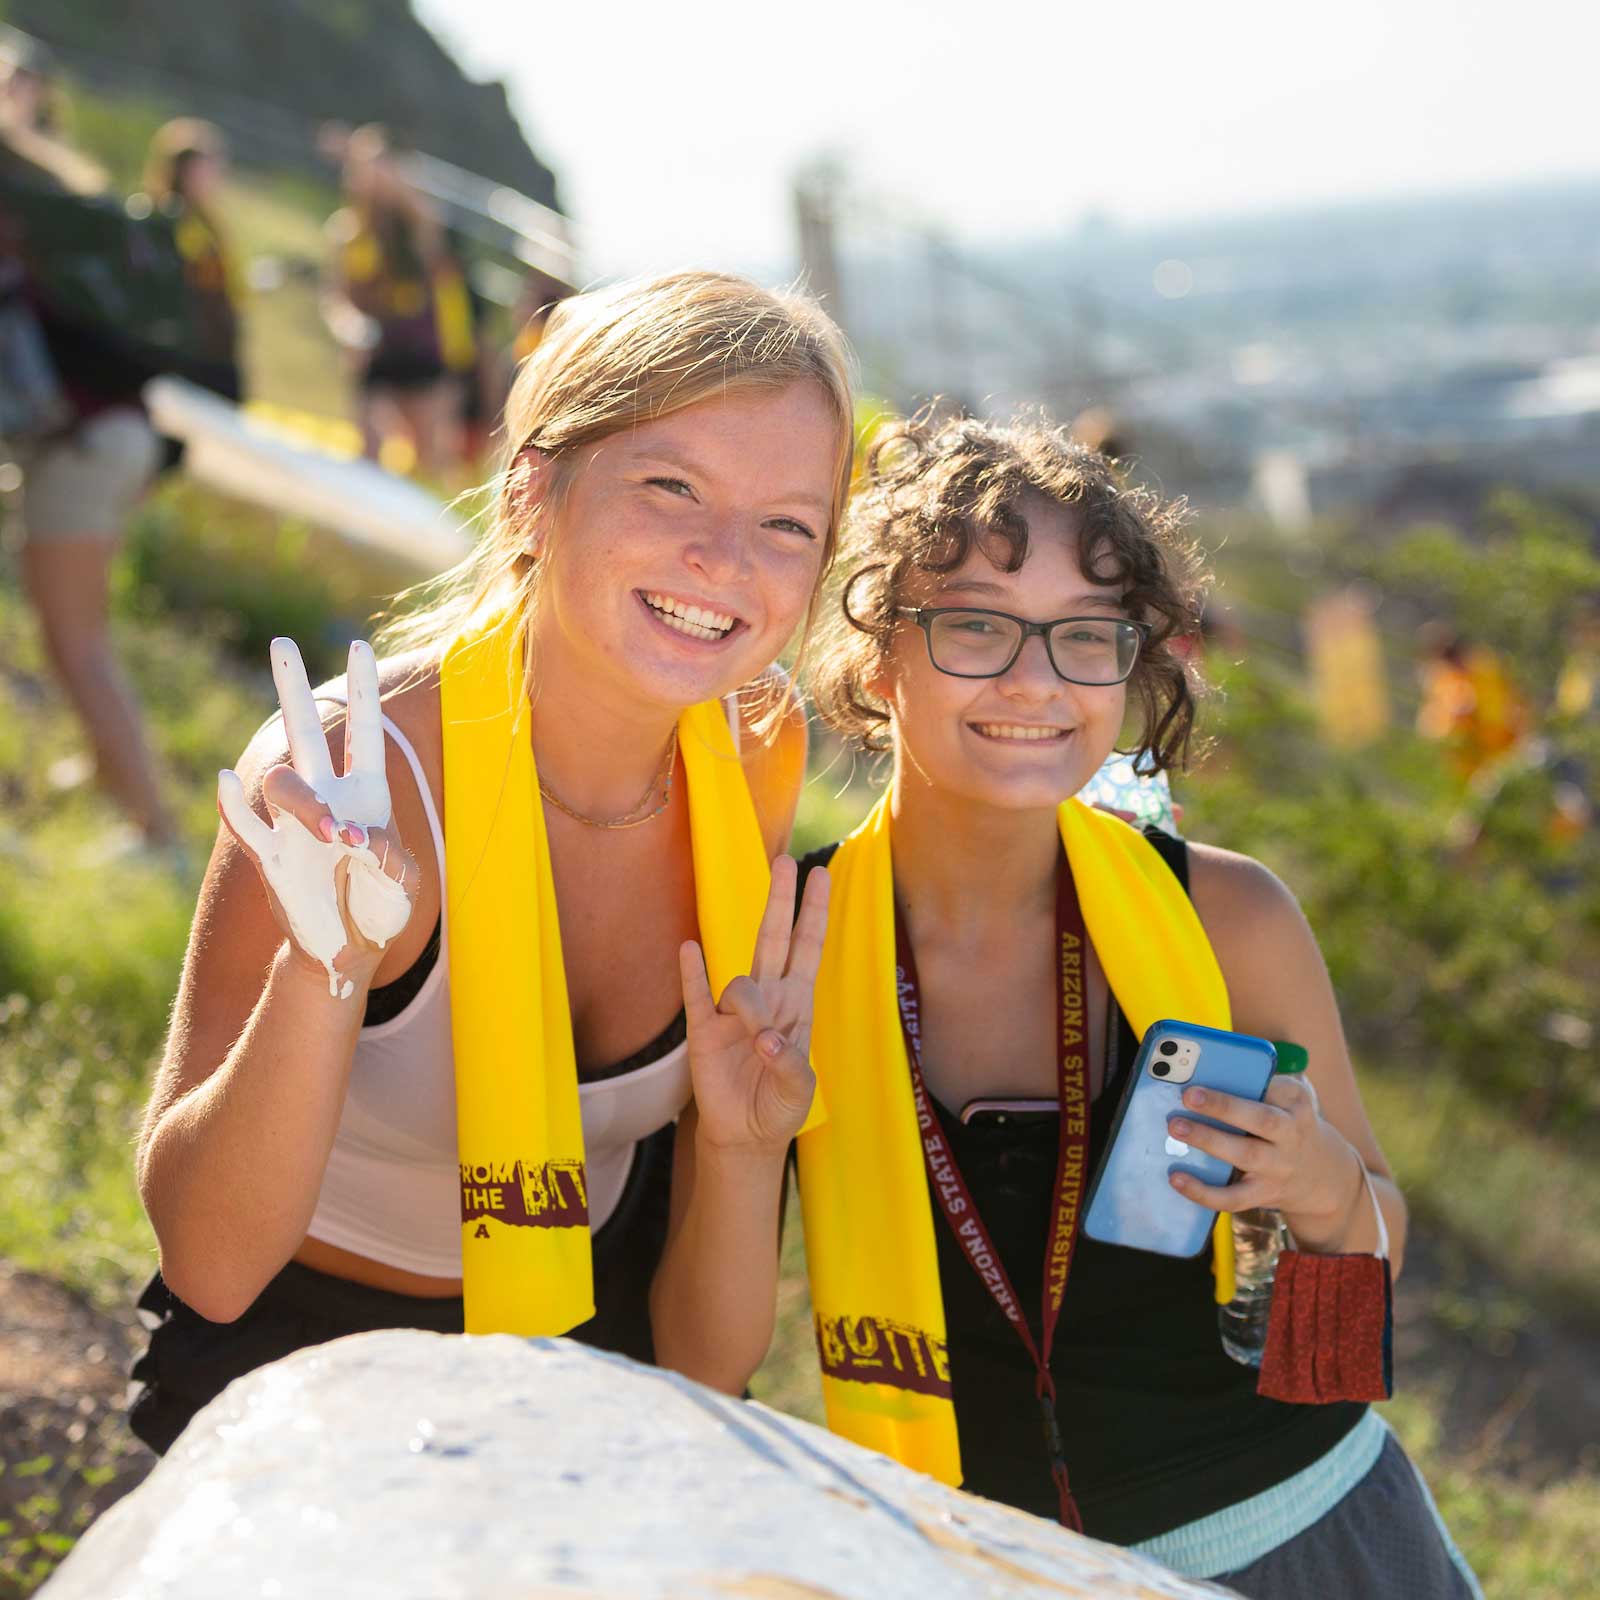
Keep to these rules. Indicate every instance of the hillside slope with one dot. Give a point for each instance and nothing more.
(278, 67)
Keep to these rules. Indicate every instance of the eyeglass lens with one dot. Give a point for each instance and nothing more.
(1086, 649)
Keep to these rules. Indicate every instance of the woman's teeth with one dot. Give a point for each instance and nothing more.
(695, 621)
(1010, 730)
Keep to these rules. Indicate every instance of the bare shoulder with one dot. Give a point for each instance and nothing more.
(773, 745)
(408, 686)
(1236, 890)
(1263, 943)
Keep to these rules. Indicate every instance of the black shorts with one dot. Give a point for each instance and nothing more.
(190, 1360)
(1383, 1541)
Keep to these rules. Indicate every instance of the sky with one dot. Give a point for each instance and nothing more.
(675, 131)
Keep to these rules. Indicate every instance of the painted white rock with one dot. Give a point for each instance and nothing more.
(413, 1466)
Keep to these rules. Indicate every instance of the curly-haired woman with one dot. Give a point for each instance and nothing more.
(994, 948)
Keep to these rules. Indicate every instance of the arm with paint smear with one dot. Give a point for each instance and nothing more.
(252, 1083)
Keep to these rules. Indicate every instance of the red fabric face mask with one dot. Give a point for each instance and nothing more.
(1330, 1335)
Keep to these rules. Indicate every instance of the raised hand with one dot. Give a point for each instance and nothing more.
(748, 1053)
(340, 882)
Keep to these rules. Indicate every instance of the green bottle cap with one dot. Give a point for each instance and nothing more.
(1291, 1057)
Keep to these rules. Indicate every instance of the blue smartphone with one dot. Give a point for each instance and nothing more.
(1131, 1202)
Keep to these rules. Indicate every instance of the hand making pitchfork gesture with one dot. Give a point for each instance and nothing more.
(749, 1053)
(340, 882)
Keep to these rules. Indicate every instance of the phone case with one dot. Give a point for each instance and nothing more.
(1000, 1110)
(1131, 1202)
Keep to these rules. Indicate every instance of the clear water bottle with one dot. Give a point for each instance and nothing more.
(1258, 1237)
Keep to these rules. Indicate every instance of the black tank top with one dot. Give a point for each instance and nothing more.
(1161, 1425)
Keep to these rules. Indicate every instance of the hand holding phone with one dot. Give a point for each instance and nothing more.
(1132, 1202)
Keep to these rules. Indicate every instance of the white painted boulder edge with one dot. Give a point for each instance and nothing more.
(414, 1466)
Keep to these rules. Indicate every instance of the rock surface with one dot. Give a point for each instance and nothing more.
(270, 70)
(413, 1466)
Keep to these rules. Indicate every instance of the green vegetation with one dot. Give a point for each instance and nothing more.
(90, 967)
(1524, 1543)
(1461, 927)
(1486, 1116)
(1462, 932)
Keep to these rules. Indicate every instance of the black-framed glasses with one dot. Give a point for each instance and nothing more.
(967, 642)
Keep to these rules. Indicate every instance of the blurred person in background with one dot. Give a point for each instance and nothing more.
(1470, 704)
(184, 176)
(400, 305)
(1100, 429)
(1576, 688)
(27, 86)
(29, 119)
(486, 387)
(483, 387)
(76, 425)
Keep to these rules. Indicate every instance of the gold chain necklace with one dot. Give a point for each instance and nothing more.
(638, 815)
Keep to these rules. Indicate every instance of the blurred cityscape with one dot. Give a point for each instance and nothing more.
(1393, 357)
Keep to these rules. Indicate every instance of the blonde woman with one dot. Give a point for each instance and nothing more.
(185, 172)
(465, 1100)
(399, 304)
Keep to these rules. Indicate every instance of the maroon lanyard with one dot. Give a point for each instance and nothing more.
(950, 1188)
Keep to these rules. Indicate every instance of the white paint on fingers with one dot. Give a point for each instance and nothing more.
(254, 834)
(379, 906)
(302, 727)
(300, 868)
(364, 741)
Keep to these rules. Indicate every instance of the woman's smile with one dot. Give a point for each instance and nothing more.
(690, 619)
(1035, 733)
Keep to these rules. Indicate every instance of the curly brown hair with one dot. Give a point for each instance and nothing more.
(932, 491)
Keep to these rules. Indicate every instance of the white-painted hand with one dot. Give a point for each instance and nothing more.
(322, 821)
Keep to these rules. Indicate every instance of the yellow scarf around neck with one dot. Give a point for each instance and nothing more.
(871, 1254)
(525, 1256)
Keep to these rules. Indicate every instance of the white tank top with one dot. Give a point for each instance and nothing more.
(392, 1187)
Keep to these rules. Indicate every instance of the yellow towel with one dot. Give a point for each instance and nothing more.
(870, 1247)
(526, 1265)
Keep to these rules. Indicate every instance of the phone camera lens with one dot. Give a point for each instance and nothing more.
(1169, 1047)
(1160, 1068)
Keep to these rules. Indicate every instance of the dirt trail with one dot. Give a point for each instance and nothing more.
(1516, 1390)
(65, 1455)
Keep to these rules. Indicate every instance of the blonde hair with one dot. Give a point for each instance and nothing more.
(174, 147)
(611, 360)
